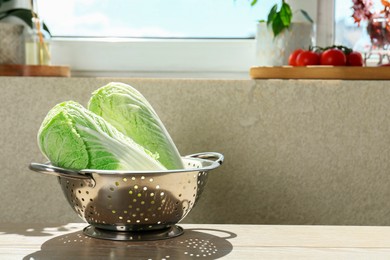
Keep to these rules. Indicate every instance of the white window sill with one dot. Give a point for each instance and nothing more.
(155, 58)
(163, 75)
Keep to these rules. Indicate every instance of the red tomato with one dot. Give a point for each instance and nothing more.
(306, 58)
(292, 60)
(334, 57)
(354, 59)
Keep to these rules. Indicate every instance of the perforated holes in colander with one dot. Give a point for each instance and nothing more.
(142, 200)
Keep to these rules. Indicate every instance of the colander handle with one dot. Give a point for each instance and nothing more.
(56, 171)
(216, 157)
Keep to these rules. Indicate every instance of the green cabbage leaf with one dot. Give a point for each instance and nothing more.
(129, 111)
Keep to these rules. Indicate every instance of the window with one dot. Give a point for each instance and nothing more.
(155, 37)
(154, 18)
(198, 38)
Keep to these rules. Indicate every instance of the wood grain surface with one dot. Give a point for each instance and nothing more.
(321, 72)
(34, 70)
(200, 242)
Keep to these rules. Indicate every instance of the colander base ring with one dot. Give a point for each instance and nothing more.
(151, 235)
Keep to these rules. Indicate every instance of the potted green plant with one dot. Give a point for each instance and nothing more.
(279, 35)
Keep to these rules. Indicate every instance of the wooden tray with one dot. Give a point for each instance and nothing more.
(34, 70)
(321, 72)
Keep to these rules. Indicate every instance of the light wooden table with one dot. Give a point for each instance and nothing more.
(200, 242)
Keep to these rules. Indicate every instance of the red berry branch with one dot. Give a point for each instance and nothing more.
(362, 10)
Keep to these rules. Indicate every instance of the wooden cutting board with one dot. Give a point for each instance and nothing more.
(321, 72)
(34, 70)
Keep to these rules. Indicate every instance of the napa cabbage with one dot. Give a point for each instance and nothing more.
(73, 137)
(128, 111)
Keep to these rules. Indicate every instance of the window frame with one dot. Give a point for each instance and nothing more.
(143, 57)
(173, 57)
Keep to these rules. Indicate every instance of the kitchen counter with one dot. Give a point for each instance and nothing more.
(296, 151)
(200, 242)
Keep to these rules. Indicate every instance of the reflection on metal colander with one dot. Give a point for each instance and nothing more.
(135, 201)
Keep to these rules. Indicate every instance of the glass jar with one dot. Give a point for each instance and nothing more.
(379, 31)
(37, 45)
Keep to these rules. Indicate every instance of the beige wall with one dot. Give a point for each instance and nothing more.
(297, 152)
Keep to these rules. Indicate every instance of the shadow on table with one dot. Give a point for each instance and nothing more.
(194, 243)
(36, 229)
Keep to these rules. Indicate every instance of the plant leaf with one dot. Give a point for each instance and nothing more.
(277, 25)
(253, 2)
(272, 14)
(306, 15)
(24, 14)
(285, 14)
(3, 1)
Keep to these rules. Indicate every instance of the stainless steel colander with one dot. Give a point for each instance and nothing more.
(136, 205)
